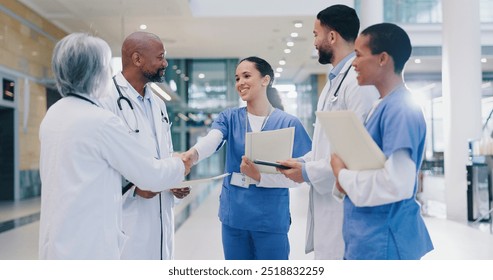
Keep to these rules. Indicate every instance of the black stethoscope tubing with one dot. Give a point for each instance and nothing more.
(334, 97)
(119, 103)
(81, 97)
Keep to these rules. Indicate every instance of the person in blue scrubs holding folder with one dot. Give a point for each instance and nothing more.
(255, 217)
(382, 219)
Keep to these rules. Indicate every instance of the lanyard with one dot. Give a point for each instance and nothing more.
(263, 123)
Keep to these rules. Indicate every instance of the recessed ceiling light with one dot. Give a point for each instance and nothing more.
(294, 34)
(277, 75)
(298, 24)
(417, 61)
(279, 69)
(143, 27)
(287, 50)
(282, 62)
(290, 44)
(201, 75)
(484, 60)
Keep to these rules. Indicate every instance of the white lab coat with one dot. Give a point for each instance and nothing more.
(85, 150)
(324, 222)
(142, 220)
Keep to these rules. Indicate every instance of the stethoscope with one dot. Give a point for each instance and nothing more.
(81, 97)
(123, 98)
(335, 96)
(119, 103)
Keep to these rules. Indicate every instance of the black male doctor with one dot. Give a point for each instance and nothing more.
(147, 216)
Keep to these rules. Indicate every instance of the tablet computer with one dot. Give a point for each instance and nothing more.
(270, 163)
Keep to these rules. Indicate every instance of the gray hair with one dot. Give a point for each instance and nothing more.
(81, 64)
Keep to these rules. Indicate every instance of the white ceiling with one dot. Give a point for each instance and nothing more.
(214, 28)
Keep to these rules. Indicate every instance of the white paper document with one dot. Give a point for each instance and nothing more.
(350, 140)
(200, 181)
(270, 145)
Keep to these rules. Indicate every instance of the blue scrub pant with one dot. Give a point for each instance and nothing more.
(241, 244)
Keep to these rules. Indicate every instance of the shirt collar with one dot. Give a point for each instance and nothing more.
(337, 69)
(147, 95)
(124, 83)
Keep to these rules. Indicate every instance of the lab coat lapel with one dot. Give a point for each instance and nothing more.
(158, 124)
(122, 82)
(331, 86)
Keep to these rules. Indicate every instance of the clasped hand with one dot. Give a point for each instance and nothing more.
(187, 161)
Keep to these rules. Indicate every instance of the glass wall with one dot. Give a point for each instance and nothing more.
(205, 87)
(423, 11)
(413, 11)
(208, 87)
(427, 92)
(307, 102)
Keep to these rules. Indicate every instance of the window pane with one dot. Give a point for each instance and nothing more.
(208, 86)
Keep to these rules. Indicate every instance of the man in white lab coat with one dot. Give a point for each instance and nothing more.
(335, 30)
(148, 217)
(85, 150)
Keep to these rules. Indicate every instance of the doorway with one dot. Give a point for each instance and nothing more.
(7, 162)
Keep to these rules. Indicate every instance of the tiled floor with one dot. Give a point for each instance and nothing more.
(198, 237)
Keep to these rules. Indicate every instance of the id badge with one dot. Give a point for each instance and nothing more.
(240, 180)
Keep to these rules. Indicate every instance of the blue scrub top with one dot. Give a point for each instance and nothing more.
(395, 230)
(255, 208)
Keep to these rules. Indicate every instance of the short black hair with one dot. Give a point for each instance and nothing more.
(392, 39)
(342, 19)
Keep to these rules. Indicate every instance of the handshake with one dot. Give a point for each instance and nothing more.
(189, 158)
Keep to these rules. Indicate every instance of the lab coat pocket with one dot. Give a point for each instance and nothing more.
(122, 240)
(130, 210)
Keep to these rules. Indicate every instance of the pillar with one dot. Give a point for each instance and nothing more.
(461, 90)
(371, 12)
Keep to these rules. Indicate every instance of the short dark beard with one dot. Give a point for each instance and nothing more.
(155, 77)
(324, 57)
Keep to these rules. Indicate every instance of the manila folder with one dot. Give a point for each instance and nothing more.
(350, 140)
(270, 145)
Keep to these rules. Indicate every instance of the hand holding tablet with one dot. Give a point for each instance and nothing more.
(270, 163)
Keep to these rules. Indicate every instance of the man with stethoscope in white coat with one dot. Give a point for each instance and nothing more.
(147, 216)
(335, 30)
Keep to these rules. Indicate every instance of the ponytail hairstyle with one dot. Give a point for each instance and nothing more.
(274, 98)
(266, 69)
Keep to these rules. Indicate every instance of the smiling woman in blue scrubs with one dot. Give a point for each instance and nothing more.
(255, 218)
(382, 219)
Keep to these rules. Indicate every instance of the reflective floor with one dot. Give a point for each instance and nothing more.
(198, 228)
